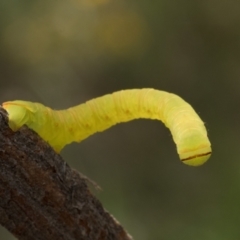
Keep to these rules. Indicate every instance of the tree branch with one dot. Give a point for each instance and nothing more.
(42, 198)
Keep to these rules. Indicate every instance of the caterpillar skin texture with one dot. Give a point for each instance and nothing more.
(61, 127)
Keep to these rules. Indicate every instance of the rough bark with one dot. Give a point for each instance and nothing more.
(41, 197)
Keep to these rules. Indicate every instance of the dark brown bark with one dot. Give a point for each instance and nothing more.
(41, 197)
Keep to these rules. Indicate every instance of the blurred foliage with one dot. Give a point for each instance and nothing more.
(62, 53)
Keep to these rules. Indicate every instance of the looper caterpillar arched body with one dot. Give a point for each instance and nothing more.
(61, 127)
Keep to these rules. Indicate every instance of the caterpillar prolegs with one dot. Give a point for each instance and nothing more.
(61, 127)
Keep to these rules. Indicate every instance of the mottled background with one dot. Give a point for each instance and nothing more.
(62, 53)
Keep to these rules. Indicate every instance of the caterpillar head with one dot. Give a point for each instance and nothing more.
(195, 148)
(19, 113)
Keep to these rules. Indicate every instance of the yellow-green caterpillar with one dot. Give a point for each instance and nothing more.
(62, 127)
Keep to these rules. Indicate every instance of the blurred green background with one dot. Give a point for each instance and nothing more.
(62, 53)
